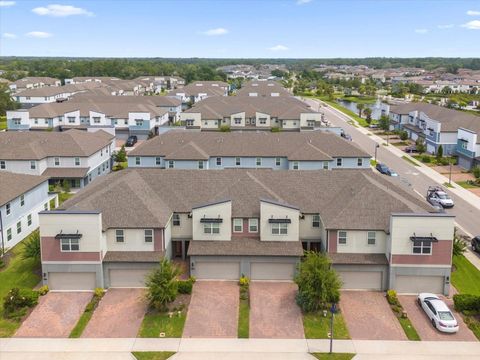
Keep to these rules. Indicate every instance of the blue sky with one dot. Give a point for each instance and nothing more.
(240, 28)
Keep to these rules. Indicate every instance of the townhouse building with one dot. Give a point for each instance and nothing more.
(33, 82)
(162, 83)
(22, 197)
(252, 222)
(455, 130)
(251, 113)
(315, 150)
(75, 156)
(262, 88)
(119, 87)
(199, 90)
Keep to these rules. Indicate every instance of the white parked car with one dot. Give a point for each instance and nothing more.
(438, 312)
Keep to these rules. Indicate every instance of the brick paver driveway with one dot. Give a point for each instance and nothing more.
(369, 317)
(55, 315)
(213, 310)
(273, 311)
(119, 315)
(424, 327)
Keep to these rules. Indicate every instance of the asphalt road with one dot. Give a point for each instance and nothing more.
(467, 216)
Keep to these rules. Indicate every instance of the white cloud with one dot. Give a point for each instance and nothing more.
(446, 26)
(421, 31)
(473, 12)
(216, 32)
(474, 25)
(7, 3)
(9, 36)
(302, 2)
(278, 48)
(60, 10)
(39, 34)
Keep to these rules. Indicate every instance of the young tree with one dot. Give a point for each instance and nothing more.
(318, 284)
(384, 123)
(31, 247)
(420, 145)
(66, 185)
(162, 285)
(440, 152)
(368, 114)
(403, 135)
(360, 108)
(121, 155)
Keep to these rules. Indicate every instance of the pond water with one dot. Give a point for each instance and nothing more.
(377, 108)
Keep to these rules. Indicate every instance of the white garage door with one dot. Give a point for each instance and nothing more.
(217, 271)
(272, 271)
(71, 281)
(361, 280)
(417, 284)
(128, 277)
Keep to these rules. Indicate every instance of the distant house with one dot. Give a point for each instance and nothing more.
(33, 82)
(199, 90)
(262, 88)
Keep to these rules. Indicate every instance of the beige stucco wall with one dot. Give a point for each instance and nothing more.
(185, 228)
(196, 117)
(309, 116)
(134, 241)
(357, 243)
(239, 115)
(267, 211)
(259, 115)
(222, 210)
(307, 231)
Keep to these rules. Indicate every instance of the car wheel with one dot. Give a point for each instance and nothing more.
(434, 324)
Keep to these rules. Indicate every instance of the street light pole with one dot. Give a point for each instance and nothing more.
(376, 147)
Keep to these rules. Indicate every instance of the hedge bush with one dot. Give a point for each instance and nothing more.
(466, 302)
(392, 297)
(185, 286)
(17, 300)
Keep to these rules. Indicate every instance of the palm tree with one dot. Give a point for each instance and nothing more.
(360, 108)
(368, 114)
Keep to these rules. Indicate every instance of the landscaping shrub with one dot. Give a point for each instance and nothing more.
(476, 172)
(162, 285)
(17, 300)
(43, 290)
(31, 247)
(244, 283)
(466, 302)
(99, 292)
(275, 129)
(225, 128)
(392, 297)
(426, 159)
(403, 135)
(185, 286)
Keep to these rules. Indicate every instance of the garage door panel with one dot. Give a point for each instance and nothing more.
(128, 277)
(272, 271)
(217, 270)
(413, 284)
(361, 280)
(71, 281)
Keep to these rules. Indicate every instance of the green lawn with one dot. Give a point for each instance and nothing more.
(19, 273)
(3, 122)
(316, 326)
(360, 99)
(333, 356)
(466, 277)
(406, 158)
(85, 318)
(467, 185)
(361, 121)
(409, 329)
(243, 320)
(154, 323)
(446, 184)
(152, 355)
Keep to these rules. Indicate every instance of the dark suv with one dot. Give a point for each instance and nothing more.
(132, 140)
(476, 243)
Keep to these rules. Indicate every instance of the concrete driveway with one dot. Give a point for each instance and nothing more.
(424, 327)
(273, 311)
(119, 315)
(369, 317)
(55, 315)
(213, 310)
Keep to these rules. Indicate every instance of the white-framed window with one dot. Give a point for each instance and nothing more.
(342, 238)
(211, 228)
(69, 245)
(176, 220)
(295, 165)
(219, 161)
(252, 225)
(258, 161)
(325, 165)
(279, 229)
(119, 236)
(371, 237)
(8, 209)
(99, 170)
(148, 235)
(45, 206)
(171, 164)
(189, 122)
(200, 165)
(278, 161)
(96, 120)
(237, 225)
(316, 221)
(77, 161)
(137, 160)
(29, 220)
(464, 145)
(237, 161)
(359, 162)
(57, 161)
(262, 121)
(9, 234)
(422, 247)
(3, 165)
(19, 227)
(16, 121)
(138, 122)
(45, 121)
(33, 165)
(238, 121)
(71, 119)
(158, 161)
(22, 200)
(339, 162)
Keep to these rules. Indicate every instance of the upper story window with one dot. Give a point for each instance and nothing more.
(148, 235)
(200, 165)
(339, 162)
(238, 121)
(45, 206)
(3, 165)
(8, 209)
(463, 144)
(237, 225)
(189, 122)
(9, 234)
(119, 236)
(158, 161)
(71, 120)
(359, 162)
(16, 121)
(45, 121)
(96, 120)
(138, 122)
(258, 161)
(279, 228)
(77, 161)
(19, 227)
(262, 121)
(137, 160)
(171, 164)
(237, 161)
(57, 161)
(342, 238)
(22, 200)
(371, 237)
(422, 247)
(211, 228)
(29, 219)
(176, 220)
(278, 161)
(325, 165)
(295, 165)
(69, 245)
(252, 225)
(316, 221)
(219, 161)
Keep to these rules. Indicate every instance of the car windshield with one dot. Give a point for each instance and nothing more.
(442, 196)
(445, 315)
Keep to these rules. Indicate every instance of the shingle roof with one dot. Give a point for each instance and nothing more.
(31, 145)
(133, 256)
(14, 185)
(262, 88)
(211, 88)
(194, 145)
(357, 199)
(57, 90)
(61, 173)
(361, 259)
